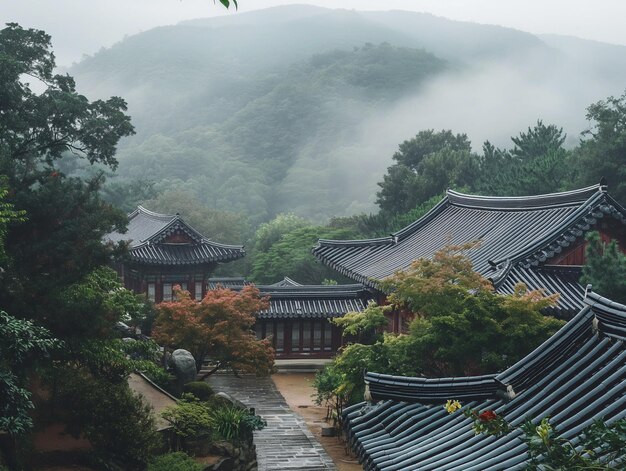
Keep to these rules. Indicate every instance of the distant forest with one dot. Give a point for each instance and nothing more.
(278, 127)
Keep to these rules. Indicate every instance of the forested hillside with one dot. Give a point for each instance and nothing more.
(300, 109)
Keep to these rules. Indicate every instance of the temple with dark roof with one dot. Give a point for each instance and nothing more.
(576, 377)
(163, 251)
(297, 317)
(537, 240)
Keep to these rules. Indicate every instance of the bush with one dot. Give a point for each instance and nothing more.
(178, 461)
(233, 423)
(200, 389)
(189, 418)
(115, 420)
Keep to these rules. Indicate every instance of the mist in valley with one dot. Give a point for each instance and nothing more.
(299, 109)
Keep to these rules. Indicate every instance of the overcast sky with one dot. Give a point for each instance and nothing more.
(83, 26)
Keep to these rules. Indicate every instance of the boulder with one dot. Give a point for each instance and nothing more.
(232, 400)
(184, 366)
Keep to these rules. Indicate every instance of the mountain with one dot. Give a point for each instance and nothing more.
(300, 108)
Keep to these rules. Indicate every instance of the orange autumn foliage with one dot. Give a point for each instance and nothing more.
(218, 329)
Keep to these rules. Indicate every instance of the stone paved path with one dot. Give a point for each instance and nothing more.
(286, 443)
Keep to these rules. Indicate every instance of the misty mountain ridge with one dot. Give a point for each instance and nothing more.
(300, 108)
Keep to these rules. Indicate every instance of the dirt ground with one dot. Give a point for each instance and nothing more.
(297, 389)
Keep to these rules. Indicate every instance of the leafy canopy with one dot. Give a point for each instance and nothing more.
(21, 344)
(363, 325)
(60, 240)
(461, 327)
(217, 329)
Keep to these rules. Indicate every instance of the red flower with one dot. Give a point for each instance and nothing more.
(54, 174)
(487, 416)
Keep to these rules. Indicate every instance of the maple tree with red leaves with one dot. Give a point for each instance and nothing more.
(218, 329)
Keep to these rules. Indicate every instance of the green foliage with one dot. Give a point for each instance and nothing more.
(605, 268)
(426, 166)
(537, 164)
(234, 423)
(602, 153)
(271, 232)
(116, 421)
(461, 327)
(363, 325)
(538, 141)
(60, 241)
(291, 256)
(600, 447)
(199, 389)
(189, 418)
(256, 139)
(91, 307)
(41, 127)
(228, 3)
(127, 195)
(21, 344)
(383, 223)
(177, 461)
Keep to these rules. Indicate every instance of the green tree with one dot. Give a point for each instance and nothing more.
(605, 268)
(22, 343)
(602, 153)
(291, 256)
(270, 232)
(426, 166)
(461, 327)
(365, 325)
(60, 241)
(537, 164)
(538, 141)
(117, 422)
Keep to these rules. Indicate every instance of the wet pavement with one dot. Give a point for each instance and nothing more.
(286, 443)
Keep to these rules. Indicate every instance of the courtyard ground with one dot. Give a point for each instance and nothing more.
(298, 391)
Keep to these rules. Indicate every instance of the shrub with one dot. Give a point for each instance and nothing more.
(233, 423)
(177, 461)
(200, 389)
(115, 420)
(189, 418)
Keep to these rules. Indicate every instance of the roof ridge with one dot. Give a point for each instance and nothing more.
(573, 227)
(594, 300)
(563, 198)
(394, 237)
(154, 214)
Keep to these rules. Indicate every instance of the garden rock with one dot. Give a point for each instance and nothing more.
(231, 399)
(184, 366)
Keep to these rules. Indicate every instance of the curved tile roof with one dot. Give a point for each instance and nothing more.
(313, 301)
(291, 300)
(575, 377)
(147, 234)
(520, 232)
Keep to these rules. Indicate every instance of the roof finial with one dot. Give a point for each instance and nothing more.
(603, 183)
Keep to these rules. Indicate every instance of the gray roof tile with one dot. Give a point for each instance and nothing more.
(516, 234)
(575, 377)
(147, 232)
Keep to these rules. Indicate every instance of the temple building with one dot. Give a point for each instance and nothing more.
(576, 377)
(537, 240)
(164, 251)
(297, 317)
